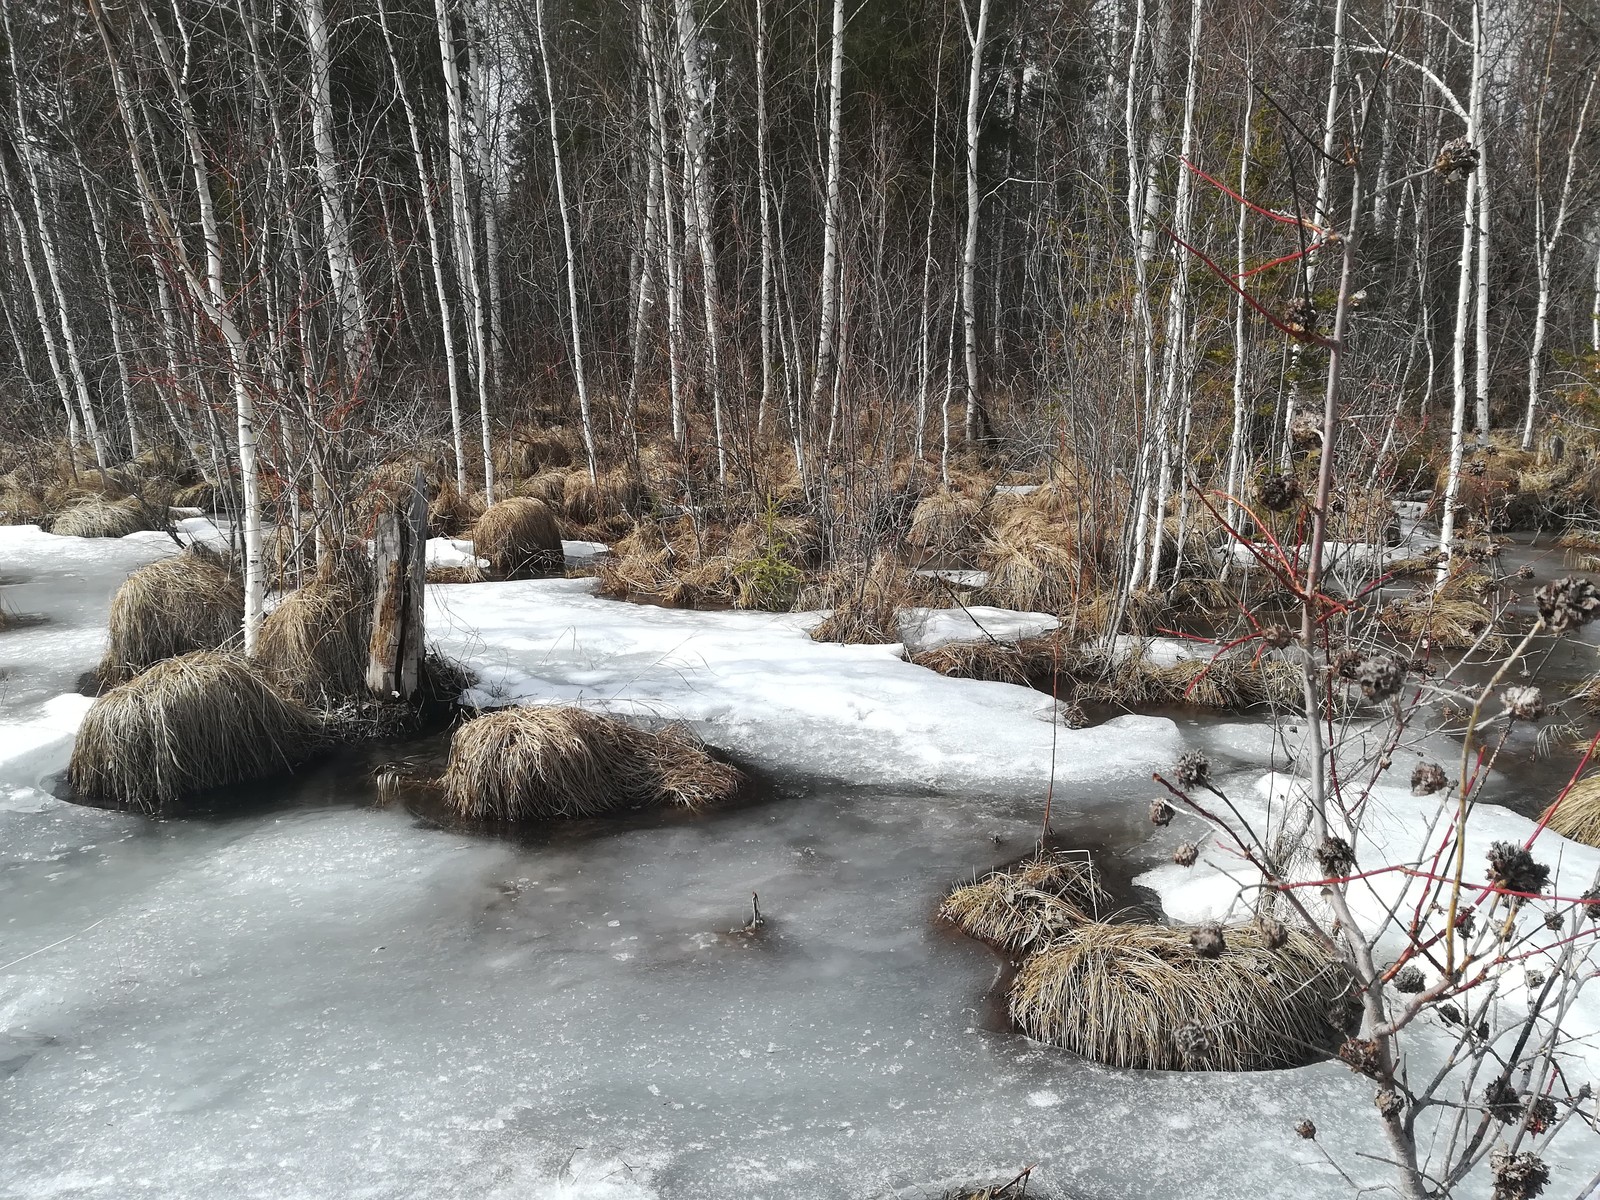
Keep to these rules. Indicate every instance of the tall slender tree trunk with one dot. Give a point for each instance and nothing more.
(828, 326)
(977, 35)
(571, 262)
(436, 251)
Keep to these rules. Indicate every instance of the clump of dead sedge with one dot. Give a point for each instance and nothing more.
(1146, 997)
(1029, 905)
(190, 601)
(315, 643)
(543, 763)
(519, 537)
(187, 725)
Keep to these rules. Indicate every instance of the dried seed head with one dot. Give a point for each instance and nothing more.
(1277, 637)
(1186, 855)
(1553, 921)
(1300, 315)
(1361, 1054)
(1511, 867)
(1457, 159)
(1380, 676)
(1449, 1013)
(1534, 980)
(1525, 571)
(1540, 1114)
(1410, 980)
(1194, 1043)
(1161, 813)
(1591, 900)
(1280, 493)
(1518, 1176)
(1568, 603)
(1273, 933)
(1466, 921)
(1389, 1104)
(1523, 703)
(1207, 940)
(1335, 857)
(1194, 769)
(1306, 430)
(1500, 1100)
(1306, 1130)
(1427, 779)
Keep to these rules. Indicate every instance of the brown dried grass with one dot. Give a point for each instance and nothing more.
(523, 764)
(1139, 996)
(520, 538)
(1577, 814)
(315, 644)
(190, 601)
(1027, 906)
(94, 516)
(864, 598)
(189, 724)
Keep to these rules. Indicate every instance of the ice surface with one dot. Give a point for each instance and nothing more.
(62, 588)
(330, 999)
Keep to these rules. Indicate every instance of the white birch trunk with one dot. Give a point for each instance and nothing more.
(827, 333)
(976, 37)
(571, 255)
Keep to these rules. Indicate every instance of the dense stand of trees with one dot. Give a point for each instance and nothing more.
(295, 235)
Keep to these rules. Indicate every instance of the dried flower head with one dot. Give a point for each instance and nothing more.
(1335, 856)
(1306, 1129)
(1553, 921)
(1361, 1054)
(1300, 315)
(1568, 603)
(1427, 779)
(1280, 493)
(1277, 637)
(1194, 769)
(1500, 1100)
(1457, 159)
(1346, 664)
(1306, 430)
(1389, 1104)
(1466, 921)
(1525, 571)
(1540, 1114)
(1161, 813)
(1207, 940)
(1591, 899)
(1410, 980)
(1511, 867)
(1186, 855)
(1449, 1013)
(1534, 980)
(1517, 1176)
(1380, 676)
(1193, 1042)
(1523, 703)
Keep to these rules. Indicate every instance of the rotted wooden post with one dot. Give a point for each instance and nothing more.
(399, 543)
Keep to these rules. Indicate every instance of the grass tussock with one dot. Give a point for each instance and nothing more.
(1238, 680)
(1452, 623)
(187, 725)
(947, 524)
(1025, 907)
(681, 564)
(1141, 996)
(1577, 814)
(519, 537)
(95, 516)
(1049, 551)
(315, 643)
(864, 598)
(190, 601)
(530, 764)
(991, 661)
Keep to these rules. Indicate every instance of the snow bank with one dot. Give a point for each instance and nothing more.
(929, 628)
(758, 686)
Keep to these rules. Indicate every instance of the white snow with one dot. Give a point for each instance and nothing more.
(758, 686)
(929, 628)
(955, 576)
(452, 552)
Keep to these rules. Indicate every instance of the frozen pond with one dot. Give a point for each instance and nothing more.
(326, 998)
